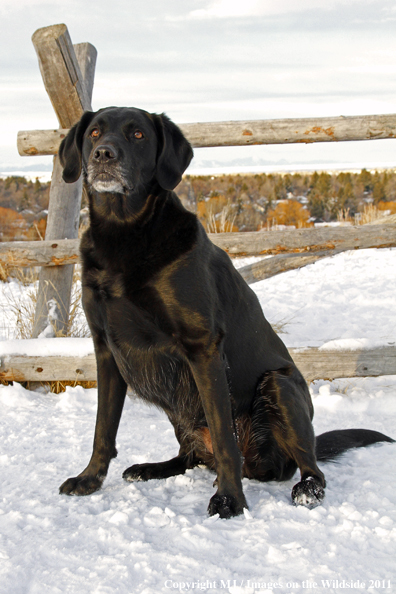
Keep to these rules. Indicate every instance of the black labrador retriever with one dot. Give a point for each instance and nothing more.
(171, 317)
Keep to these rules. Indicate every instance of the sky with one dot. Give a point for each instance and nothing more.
(213, 60)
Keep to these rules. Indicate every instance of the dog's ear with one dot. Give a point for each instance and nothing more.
(71, 148)
(174, 152)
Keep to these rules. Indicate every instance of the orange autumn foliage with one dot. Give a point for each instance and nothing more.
(12, 225)
(289, 212)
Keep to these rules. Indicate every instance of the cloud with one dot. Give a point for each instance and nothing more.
(208, 60)
(252, 8)
(8, 6)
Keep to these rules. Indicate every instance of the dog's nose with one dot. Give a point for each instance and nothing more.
(105, 153)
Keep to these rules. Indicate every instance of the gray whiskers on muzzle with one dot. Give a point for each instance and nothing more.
(115, 180)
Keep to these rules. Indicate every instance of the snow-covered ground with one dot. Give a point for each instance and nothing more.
(152, 537)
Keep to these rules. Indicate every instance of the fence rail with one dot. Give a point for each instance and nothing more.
(291, 248)
(314, 363)
(246, 133)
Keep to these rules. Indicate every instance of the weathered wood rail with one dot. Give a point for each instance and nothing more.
(245, 133)
(306, 240)
(25, 254)
(314, 363)
(291, 248)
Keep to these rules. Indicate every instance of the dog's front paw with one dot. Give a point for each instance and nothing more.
(226, 506)
(308, 492)
(81, 485)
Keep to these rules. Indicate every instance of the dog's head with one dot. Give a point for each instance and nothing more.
(124, 150)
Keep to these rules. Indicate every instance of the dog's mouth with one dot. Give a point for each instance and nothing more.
(103, 180)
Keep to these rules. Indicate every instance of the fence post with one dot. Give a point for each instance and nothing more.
(68, 75)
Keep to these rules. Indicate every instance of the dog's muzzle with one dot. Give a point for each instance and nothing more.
(104, 171)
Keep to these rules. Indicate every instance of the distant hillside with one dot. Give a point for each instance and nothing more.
(248, 202)
(245, 202)
(23, 208)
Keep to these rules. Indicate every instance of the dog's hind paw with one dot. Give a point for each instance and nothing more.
(308, 492)
(226, 506)
(142, 472)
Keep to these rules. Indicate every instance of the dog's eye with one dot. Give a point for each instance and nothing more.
(138, 134)
(95, 133)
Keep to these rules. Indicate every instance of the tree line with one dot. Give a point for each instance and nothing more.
(238, 202)
(253, 201)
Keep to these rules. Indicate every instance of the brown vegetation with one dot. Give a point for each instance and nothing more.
(23, 209)
(254, 201)
(230, 202)
(289, 213)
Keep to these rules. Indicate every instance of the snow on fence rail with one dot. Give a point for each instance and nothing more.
(68, 76)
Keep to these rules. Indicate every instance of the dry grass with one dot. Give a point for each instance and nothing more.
(4, 273)
(223, 222)
(279, 327)
(343, 216)
(24, 311)
(59, 387)
(370, 213)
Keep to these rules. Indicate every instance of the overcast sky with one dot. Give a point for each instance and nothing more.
(205, 60)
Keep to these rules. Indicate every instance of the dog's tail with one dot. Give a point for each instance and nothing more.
(334, 443)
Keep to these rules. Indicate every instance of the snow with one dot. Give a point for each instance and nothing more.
(52, 318)
(350, 344)
(348, 296)
(48, 347)
(152, 537)
(43, 176)
(201, 166)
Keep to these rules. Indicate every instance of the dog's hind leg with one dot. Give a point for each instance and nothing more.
(157, 470)
(160, 470)
(286, 405)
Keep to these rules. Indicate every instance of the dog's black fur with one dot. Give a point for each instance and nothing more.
(171, 317)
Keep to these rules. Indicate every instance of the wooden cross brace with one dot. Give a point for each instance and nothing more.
(68, 74)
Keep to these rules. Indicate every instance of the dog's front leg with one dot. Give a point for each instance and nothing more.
(111, 396)
(210, 377)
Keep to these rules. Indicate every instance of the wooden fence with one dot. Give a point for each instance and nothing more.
(314, 363)
(246, 133)
(290, 249)
(68, 75)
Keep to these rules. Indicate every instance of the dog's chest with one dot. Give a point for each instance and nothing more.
(129, 314)
(106, 285)
(140, 333)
